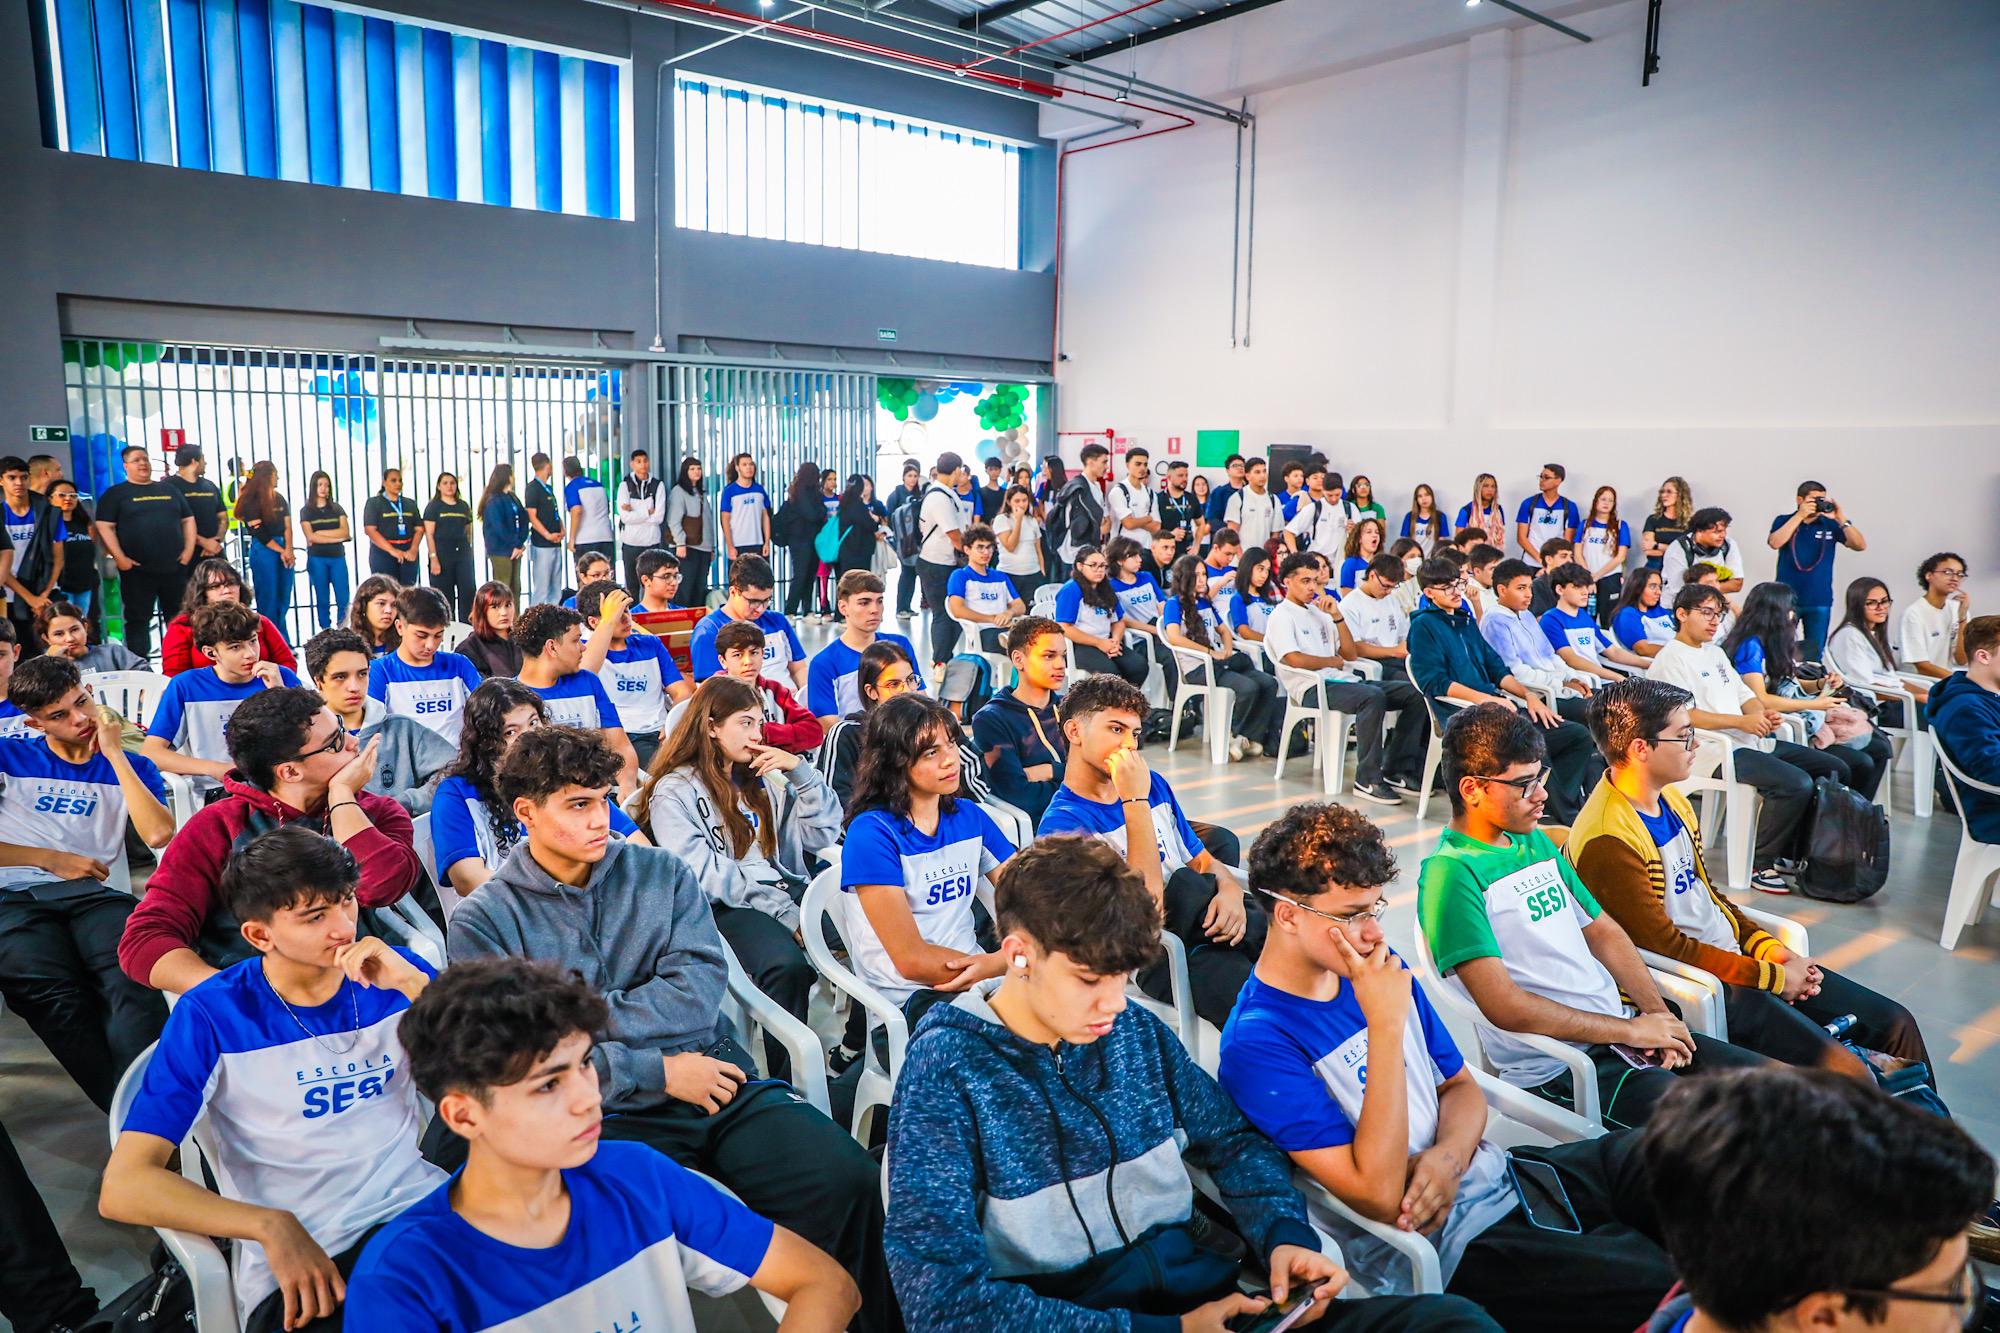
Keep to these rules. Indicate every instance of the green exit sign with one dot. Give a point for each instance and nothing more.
(885, 335)
(48, 434)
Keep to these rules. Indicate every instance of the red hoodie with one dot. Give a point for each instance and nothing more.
(178, 653)
(800, 732)
(181, 908)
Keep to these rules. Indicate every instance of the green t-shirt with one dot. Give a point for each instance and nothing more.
(1523, 904)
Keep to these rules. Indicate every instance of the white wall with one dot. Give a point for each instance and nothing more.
(1490, 247)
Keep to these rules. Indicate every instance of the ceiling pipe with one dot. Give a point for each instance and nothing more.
(706, 47)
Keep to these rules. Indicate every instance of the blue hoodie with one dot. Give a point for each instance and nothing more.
(1020, 1178)
(1965, 718)
(1014, 738)
(1447, 647)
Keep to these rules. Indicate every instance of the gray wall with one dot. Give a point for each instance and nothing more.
(268, 258)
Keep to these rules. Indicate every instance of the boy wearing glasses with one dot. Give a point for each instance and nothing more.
(1547, 515)
(749, 603)
(1637, 844)
(1932, 641)
(1511, 925)
(1337, 1055)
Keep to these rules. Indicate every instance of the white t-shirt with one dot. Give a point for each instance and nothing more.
(1298, 629)
(1322, 526)
(1705, 672)
(1376, 621)
(1124, 501)
(1256, 516)
(939, 517)
(1927, 634)
(1675, 562)
(1025, 558)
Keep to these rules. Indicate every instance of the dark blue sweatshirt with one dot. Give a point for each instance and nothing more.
(1965, 719)
(1447, 647)
(1012, 1166)
(1013, 738)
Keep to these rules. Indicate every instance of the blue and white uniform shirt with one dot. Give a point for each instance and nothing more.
(1070, 813)
(989, 594)
(939, 874)
(46, 801)
(434, 695)
(194, 711)
(1071, 609)
(781, 646)
(636, 676)
(462, 827)
(1139, 601)
(1574, 629)
(13, 722)
(309, 1107)
(831, 686)
(743, 510)
(588, 494)
(579, 700)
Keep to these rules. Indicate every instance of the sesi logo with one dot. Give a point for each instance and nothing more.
(948, 889)
(66, 805)
(433, 706)
(633, 685)
(324, 1099)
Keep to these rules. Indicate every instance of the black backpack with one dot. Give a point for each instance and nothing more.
(1847, 848)
(160, 1302)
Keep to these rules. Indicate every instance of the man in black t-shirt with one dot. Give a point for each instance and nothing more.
(203, 496)
(544, 533)
(1180, 512)
(147, 527)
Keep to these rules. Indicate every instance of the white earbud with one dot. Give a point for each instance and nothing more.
(1020, 962)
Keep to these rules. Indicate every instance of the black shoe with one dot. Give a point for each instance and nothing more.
(1379, 792)
(1401, 783)
(839, 1060)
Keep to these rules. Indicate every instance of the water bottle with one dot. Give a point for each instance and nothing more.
(1840, 1027)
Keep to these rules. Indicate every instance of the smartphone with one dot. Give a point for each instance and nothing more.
(1276, 1318)
(1544, 1201)
(1635, 1057)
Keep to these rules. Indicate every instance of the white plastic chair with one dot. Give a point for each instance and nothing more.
(1197, 672)
(131, 694)
(1332, 731)
(200, 1257)
(1514, 1119)
(1013, 821)
(1700, 993)
(1434, 747)
(1001, 666)
(755, 1015)
(455, 633)
(426, 849)
(1727, 804)
(181, 798)
(1978, 862)
(121, 870)
(772, 1305)
(1044, 602)
(1911, 742)
(826, 905)
(1452, 1001)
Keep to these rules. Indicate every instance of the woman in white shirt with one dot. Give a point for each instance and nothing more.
(1601, 548)
(1859, 650)
(1019, 535)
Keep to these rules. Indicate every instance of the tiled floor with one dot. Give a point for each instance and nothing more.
(1889, 943)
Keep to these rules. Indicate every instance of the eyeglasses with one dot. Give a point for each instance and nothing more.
(1949, 573)
(757, 603)
(1457, 588)
(1525, 786)
(1967, 1297)
(1708, 611)
(1348, 922)
(1877, 603)
(1686, 740)
(334, 744)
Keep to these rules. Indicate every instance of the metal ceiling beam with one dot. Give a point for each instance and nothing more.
(1174, 29)
(1542, 19)
(994, 13)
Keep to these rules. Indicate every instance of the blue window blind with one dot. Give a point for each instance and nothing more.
(334, 96)
(758, 162)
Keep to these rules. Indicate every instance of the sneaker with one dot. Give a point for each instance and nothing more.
(1236, 749)
(1401, 783)
(1769, 881)
(1255, 749)
(839, 1060)
(1379, 792)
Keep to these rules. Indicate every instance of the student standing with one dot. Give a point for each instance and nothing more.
(323, 523)
(294, 1060)
(1601, 548)
(204, 499)
(79, 579)
(70, 788)
(1180, 512)
(908, 491)
(418, 679)
(448, 529)
(1806, 540)
(588, 506)
(861, 530)
(1668, 522)
(746, 509)
(33, 566)
(940, 524)
(1426, 524)
(148, 530)
(692, 532)
(642, 513)
(394, 529)
(1546, 514)
(545, 532)
(1019, 534)
(1129, 503)
(503, 526)
(1484, 511)
(215, 580)
(1362, 491)
(797, 527)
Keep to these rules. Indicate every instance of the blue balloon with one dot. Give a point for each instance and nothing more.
(926, 408)
(986, 449)
(968, 386)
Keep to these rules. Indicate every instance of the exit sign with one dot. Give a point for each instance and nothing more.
(48, 434)
(885, 335)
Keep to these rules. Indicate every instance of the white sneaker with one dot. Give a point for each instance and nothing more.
(1255, 749)
(1236, 750)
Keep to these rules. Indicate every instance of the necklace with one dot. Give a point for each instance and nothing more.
(354, 1001)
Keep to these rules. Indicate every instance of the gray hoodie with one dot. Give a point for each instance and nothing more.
(411, 755)
(639, 932)
(685, 822)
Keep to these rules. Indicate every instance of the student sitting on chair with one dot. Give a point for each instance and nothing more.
(1018, 731)
(293, 1058)
(915, 852)
(749, 603)
(1637, 844)
(556, 665)
(1256, 594)
(591, 567)
(472, 831)
(1512, 632)
(66, 630)
(659, 580)
(189, 732)
(886, 671)
(1304, 641)
(637, 671)
(1512, 927)
(547, 1227)
(1573, 631)
(1192, 624)
(1641, 622)
(419, 679)
(745, 817)
(982, 595)
(1042, 1131)
(1335, 1052)
(1481, 560)
(12, 721)
(1087, 609)
(1964, 713)
(636, 923)
(788, 724)
(66, 791)
(832, 686)
(1109, 791)
(295, 763)
(410, 754)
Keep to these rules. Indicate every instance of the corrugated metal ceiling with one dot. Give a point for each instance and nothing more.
(1072, 29)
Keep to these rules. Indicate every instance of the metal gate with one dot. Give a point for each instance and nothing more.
(347, 414)
(781, 418)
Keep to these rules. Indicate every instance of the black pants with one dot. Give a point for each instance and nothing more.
(1216, 972)
(775, 962)
(455, 581)
(145, 589)
(694, 578)
(645, 744)
(39, 1286)
(1026, 586)
(1574, 763)
(805, 567)
(59, 970)
(1628, 1096)
(944, 630)
(1256, 710)
(1784, 778)
(906, 586)
(1865, 767)
(269, 1316)
(1406, 1314)
(633, 550)
(605, 549)
(1611, 1276)
(1131, 663)
(786, 1162)
(1608, 589)
(1796, 1033)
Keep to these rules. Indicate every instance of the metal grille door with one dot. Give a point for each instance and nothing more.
(346, 414)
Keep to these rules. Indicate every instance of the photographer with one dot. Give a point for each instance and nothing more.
(1805, 541)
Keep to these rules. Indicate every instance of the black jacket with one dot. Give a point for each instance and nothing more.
(34, 562)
